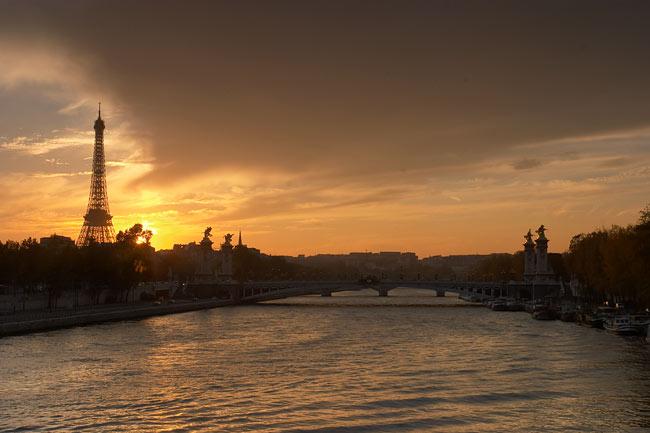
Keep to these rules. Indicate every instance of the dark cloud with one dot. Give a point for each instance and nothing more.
(569, 156)
(313, 200)
(617, 162)
(526, 164)
(352, 86)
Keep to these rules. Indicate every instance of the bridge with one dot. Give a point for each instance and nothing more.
(252, 292)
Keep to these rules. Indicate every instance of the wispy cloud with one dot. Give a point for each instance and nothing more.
(54, 161)
(50, 175)
(74, 106)
(40, 145)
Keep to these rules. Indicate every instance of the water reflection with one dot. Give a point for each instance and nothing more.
(311, 367)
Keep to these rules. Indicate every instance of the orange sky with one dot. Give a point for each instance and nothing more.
(424, 127)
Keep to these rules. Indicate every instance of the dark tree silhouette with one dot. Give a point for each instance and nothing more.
(612, 264)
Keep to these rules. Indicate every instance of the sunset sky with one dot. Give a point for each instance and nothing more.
(440, 127)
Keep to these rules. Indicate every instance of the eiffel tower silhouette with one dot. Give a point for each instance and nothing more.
(98, 225)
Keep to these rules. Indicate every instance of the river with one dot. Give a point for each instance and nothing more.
(350, 363)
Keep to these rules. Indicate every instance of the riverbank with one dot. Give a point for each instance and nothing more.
(21, 324)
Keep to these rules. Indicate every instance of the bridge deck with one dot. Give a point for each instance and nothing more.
(273, 290)
(260, 291)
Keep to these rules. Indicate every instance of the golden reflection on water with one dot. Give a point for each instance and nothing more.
(284, 368)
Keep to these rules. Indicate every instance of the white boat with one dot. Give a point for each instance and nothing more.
(621, 324)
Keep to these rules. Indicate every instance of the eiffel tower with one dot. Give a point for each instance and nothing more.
(97, 225)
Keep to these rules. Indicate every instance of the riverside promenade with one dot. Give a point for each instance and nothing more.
(28, 322)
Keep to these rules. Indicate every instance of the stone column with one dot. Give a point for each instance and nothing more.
(541, 250)
(204, 259)
(226, 259)
(530, 268)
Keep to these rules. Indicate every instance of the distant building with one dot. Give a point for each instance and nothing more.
(384, 264)
(203, 258)
(240, 244)
(409, 259)
(460, 264)
(57, 242)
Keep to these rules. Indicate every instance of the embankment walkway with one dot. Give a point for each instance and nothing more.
(24, 323)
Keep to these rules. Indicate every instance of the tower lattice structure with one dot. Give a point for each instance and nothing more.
(98, 224)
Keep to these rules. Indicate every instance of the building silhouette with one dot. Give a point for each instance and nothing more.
(56, 242)
(98, 224)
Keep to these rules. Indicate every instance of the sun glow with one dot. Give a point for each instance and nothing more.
(148, 231)
(146, 225)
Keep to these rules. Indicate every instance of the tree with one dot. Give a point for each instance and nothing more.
(136, 234)
(133, 260)
(59, 271)
(644, 218)
(612, 263)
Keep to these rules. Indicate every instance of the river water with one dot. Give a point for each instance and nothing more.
(355, 363)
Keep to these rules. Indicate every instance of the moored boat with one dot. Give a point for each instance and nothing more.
(488, 302)
(641, 323)
(514, 305)
(544, 313)
(531, 306)
(568, 312)
(597, 318)
(568, 315)
(499, 305)
(621, 324)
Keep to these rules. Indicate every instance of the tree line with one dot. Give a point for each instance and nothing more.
(29, 267)
(608, 264)
(613, 264)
